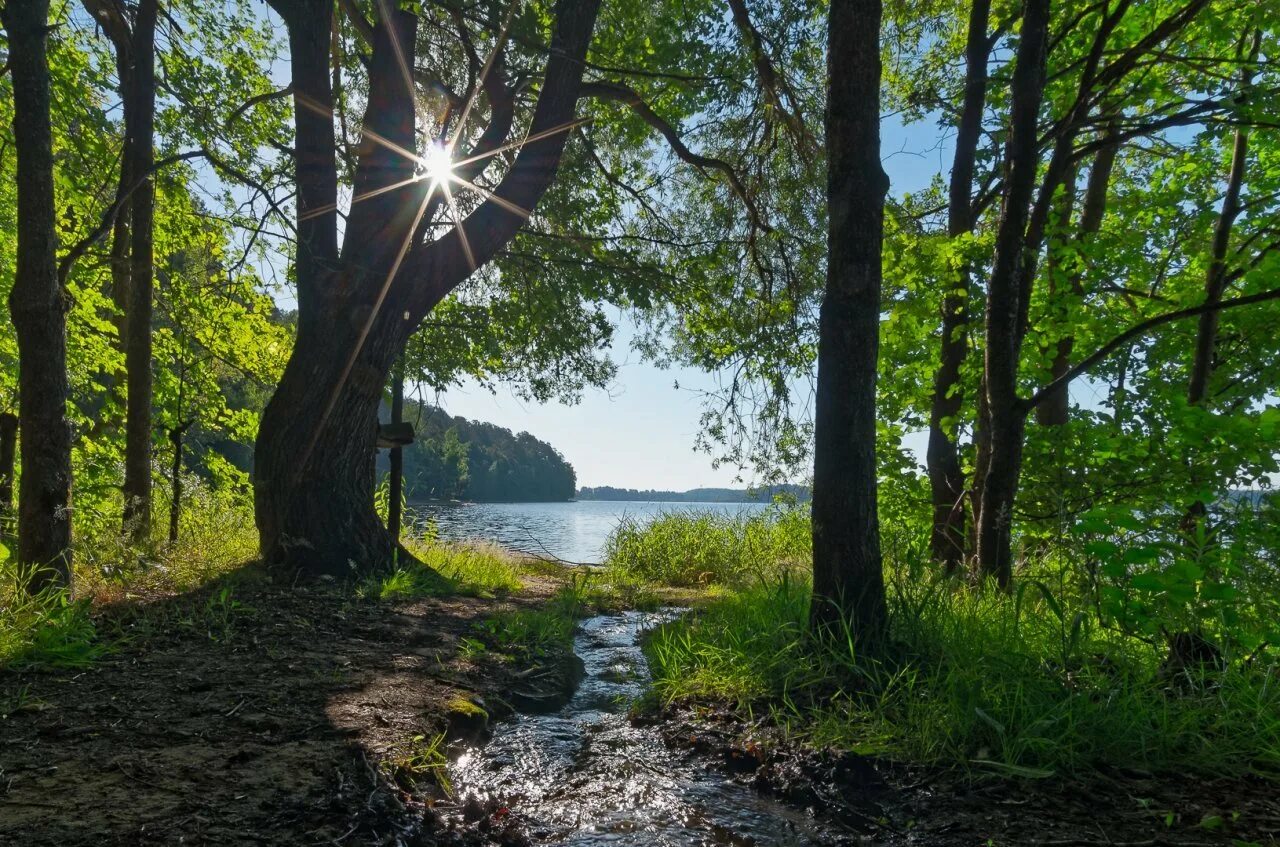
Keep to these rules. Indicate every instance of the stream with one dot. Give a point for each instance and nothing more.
(583, 775)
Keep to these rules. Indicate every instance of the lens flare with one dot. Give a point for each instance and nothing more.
(437, 165)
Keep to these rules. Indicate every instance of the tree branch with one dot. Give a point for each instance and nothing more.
(1141, 329)
(626, 95)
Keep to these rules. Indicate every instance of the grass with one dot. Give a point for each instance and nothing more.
(473, 569)
(1039, 682)
(45, 630)
(975, 678)
(691, 548)
(535, 632)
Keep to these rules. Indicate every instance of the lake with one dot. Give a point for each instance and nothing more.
(574, 531)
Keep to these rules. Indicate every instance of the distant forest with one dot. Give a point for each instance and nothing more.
(764, 494)
(453, 458)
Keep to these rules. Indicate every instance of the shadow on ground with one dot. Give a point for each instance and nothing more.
(243, 712)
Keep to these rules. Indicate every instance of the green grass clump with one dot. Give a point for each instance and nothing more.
(47, 629)
(533, 632)
(473, 569)
(691, 548)
(1022, 684)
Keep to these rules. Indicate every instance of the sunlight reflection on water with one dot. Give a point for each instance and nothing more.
(584, 776)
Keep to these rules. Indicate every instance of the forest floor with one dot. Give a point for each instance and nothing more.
(250, 712)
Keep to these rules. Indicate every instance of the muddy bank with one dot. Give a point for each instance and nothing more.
(890, 803)
(253, 713)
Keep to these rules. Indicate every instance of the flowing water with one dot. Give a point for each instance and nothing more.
(574, 531)
(584, 776)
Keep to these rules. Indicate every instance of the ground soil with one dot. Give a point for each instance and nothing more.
(892, 804)
(268, 714)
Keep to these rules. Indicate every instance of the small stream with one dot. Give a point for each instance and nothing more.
(584, 776)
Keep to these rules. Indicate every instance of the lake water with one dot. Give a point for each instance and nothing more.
(574, 531)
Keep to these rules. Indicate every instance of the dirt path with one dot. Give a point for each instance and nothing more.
(244, 713)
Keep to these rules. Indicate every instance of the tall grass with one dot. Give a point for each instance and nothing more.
(1026, 685)
(696, 548)
(475, 568)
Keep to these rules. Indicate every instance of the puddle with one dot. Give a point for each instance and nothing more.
(584, 776)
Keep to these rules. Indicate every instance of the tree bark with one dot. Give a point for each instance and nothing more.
(8, 451)
(175, 481)
(1004, 309)
(140, 152)
(395, 487)
(314, 460)
(38, 307)
(946, 478)
(848, 578)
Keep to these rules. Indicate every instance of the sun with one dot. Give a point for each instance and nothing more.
(437, 164)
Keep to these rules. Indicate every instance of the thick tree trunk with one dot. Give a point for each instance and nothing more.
(395, 491)
(848, 577)
(140, 151)
(314, 459)
(38, 306)
(1055, 409)
(946, 478)
(314, 484)
(1004, 319)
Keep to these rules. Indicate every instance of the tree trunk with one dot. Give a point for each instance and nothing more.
(38, 307)
(175, 491)
(946, 478)
(314, 468)
(1055, 409)
(848, 577)
(1216, 277)
(8, 450)
(395, 491)
(140, 152)
(1004, 319)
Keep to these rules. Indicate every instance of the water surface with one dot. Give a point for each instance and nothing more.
(574, 531)
(584, 776)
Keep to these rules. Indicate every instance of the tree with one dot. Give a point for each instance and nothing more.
(1004, 297)
(946, 478)
(358, 305)
(848, 577)
(134, 232)
(38, 309)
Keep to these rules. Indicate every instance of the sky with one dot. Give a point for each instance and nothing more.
(641, 431)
